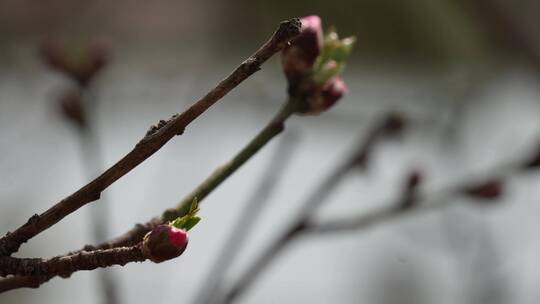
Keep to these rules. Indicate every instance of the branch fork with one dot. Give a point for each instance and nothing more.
(127, 248)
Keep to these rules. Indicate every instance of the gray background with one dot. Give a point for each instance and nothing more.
(472, 105)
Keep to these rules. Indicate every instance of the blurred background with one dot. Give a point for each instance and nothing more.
(463, 73)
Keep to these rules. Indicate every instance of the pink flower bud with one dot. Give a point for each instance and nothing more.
(489, 190)
(298, 58)
(164, 242)
(71, 108)
(53, 55)
(332, 91)
(310, 39)
(414, 180)
(326, 96)
(82, 65)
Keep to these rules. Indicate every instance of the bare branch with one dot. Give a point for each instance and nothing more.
(136, 234)
(484, 191)
(17, 282)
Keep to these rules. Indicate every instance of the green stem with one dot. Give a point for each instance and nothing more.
(274, 127)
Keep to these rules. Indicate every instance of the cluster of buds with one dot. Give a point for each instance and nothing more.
(168, 241)
(71, 107)
(80, 63)
(312, 64)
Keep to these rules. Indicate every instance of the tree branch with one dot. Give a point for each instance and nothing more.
(272, 129)
(17, 282)
(136, 234)
(152, 142)
(66, 265)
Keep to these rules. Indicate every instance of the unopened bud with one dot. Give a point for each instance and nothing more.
(415, 178)
(72, 108)
(164, 242)
(298, 58)
(312, 64)
(332, 91)
(79, 63)
(335, 49)
(329, 94)
(52, 53)
(489, 190)
(329, 70)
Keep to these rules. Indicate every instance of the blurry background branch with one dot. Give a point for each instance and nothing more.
(483, 189)
(212, 284)
(389, 126)
(79, 106)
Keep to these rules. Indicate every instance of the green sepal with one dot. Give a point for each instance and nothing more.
(190, 223)
(331, 69)
(342, 49)
(189, 220)
(333, 56)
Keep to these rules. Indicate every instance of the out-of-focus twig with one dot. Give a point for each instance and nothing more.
(390, 125)
(99, 217)
(484, 188)
(511, 24)
(212, 285)
(78, 106)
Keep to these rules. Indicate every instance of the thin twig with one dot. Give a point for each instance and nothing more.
(509, 24)
(240, 232)
(275, 127)
(358, 159)
(272, 129)
(99, 216)
(427, 202)
(152, 142)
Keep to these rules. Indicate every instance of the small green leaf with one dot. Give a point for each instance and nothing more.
(342, 49)
(189, 220)
(333, 56)
(190, 223)
(194, 206)
(329, 70)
